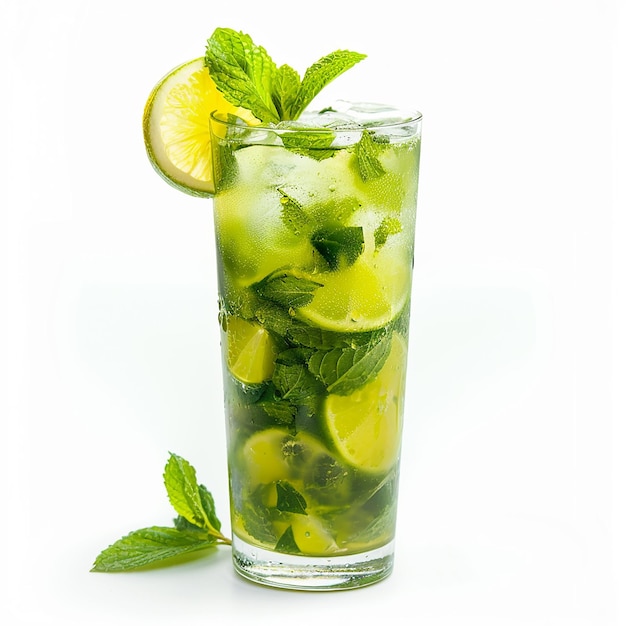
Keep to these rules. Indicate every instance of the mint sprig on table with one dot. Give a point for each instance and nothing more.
(248, 77)
(196, 527)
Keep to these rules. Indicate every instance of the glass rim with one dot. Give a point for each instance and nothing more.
(412, 117)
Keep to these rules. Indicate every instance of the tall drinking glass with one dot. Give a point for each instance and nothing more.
(315, 228)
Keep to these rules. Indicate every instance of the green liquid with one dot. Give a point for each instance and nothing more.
(315, 253)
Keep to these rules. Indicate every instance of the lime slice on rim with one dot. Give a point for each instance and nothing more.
(176, 127)
(366, 425)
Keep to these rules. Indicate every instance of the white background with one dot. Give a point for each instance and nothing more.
(513, 497)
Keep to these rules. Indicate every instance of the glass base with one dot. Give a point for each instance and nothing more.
(311, 573)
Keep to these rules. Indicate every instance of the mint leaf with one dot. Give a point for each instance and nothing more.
(321, 74)
(291, 377)
(196, 527)
(255, 517)
(389, 226)
(208, 505)
(287, 543)
(281, 411)
(292, 214)
(275, 318)
(327, 476)
(344, 370)
(286, 289)
(341, 246)
(367, 151)
(285, 89)
(147, 546)
(294, 382)
(289, 499)
(310, 142)
(183, 491)
(180, 523)
(243, 72)
(314, 337)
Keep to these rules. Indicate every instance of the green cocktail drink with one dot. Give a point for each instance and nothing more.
(315, 227)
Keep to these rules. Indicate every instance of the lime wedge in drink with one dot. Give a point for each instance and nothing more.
(311, 536)
(366, 425)
(251, 351)
(365, 296)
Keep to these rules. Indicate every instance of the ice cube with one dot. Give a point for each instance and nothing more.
(373, 114)
(384, 120)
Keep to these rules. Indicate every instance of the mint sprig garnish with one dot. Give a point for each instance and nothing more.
(196, 528)
(248, 77)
